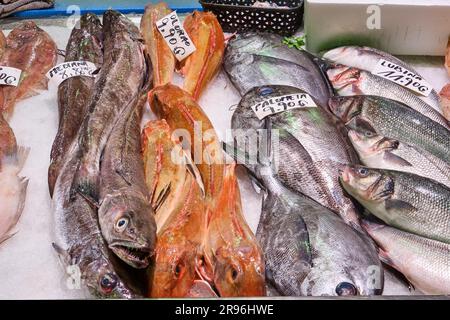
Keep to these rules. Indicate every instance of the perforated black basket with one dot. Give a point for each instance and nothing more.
(240, 15)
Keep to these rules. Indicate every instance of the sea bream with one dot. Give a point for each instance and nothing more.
(366, 58)
(125, 214)
(403, 200)
(123, 77)
(30, 49)
(349, 81)
(424, 262)
(310, 148)
(258, 59)
(85, 44)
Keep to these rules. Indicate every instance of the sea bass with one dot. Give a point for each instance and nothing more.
(389, 118)
(258, 59)
(13, 188)
(348, 81)
(403, 200)
(163, 60)
(30, 49)
(310, 149)
(366, 58)
(202, 65)
(84, 44)
(123, 77)
(126, 217)
(424, 262)
(79, 241)
(380, 152)
(234, 260)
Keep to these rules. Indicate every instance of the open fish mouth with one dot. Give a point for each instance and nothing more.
(137, 257)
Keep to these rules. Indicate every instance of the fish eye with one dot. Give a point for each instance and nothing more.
(122, 223)
(346, 289)
(178, 269)
(264, 91)
(368, 134)
(363, 172)
(108, 282)
(234, 273)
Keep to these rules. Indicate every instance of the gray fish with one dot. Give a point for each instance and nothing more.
(85, 44)
(424, 262)
(309, 251)
(126, 216)
(381, 152)
(366, 58)
(403, 200)
(123, 77)
(79, 241)
(257, 59)
(310, 152)
(371, 114)
(349, 81)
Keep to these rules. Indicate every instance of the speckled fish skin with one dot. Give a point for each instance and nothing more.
(30, 49)
(373, 114)
(384, 153)
(257, 59)
(348, 81)
(366, 58)
(403, 200)
(163, 60)
(126, 216)
(85, 44)
(308, 250)
(205, 62)
(123, 77)
(7, 8)
(424, 262)
(77, 234)
(311, 149)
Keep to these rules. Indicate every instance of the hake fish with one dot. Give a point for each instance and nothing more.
(125, 214)
(349, 81)
(258, 59)
(163, 60)
(310, 152)
(30, 49)
(403, 200)
(366, 58)
(424, 262)
(85, 44)
(376, 115)
(123, 77)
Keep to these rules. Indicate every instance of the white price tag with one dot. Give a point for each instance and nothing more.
(283, 103)
(9, 76)
(176, 37)
(404, 77)
(66, 70)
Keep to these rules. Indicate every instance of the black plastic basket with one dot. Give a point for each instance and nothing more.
(239, 15)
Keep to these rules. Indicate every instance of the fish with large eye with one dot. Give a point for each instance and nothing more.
(122, 224)
(346, 289)
(108, 283)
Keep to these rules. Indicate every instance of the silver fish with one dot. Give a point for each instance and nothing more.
(403, 200)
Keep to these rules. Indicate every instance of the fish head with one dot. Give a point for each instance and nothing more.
(368, 143)
(174, 270)
(346, 108)
(103, 281)
(368, 186)
(129, 227)
(342, 76)
(239, 272)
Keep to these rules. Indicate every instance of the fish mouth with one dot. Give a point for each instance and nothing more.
(135, 256)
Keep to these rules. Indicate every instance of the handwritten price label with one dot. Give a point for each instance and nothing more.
(283, 103)
(66, 70)
(9, 76)
(175, 36)
(404, 77)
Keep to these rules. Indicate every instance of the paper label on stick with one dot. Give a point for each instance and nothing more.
(283, 103)
(66, 70)
(402, 76)
(9, 76)
(175, 36)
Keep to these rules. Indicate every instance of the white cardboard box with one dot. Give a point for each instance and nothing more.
(402, 27)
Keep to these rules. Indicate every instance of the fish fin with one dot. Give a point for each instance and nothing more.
(389, 156)
(63, 255)
(395, 204)
(86, 186)
(6, 237)
(256, 185)
(162, 196)
(384, 257)
(91, 201)
(22, 155)
(192, 168)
